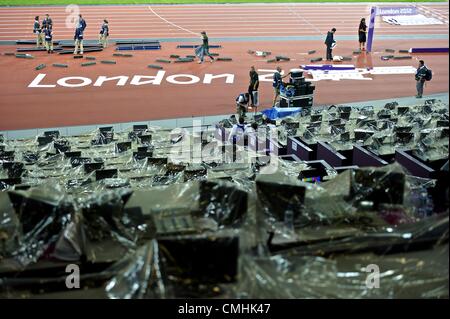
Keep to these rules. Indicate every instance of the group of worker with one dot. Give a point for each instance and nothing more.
(44, 34)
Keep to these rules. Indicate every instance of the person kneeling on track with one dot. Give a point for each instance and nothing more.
(242, 103)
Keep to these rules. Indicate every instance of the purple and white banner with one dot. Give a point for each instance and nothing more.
(373, 15)
(396, 11)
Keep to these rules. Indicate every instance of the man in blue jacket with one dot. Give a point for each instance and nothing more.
(48, 36)
(47, 22)
(329, 41)
(79, 31)
(104, 33)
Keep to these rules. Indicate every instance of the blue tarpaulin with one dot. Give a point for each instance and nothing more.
(280, 112)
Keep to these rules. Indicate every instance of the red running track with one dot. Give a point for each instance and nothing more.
(22, 107)
(175, 21)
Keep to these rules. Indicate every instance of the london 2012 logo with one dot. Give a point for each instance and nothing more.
(266, 75)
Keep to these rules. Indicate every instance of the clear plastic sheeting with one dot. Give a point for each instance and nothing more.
(423, 274)
(158, 213)
(43, 213)
(9, 226)
(138, 275)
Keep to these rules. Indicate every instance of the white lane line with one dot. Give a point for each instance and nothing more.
(307, 22)
(173, 24)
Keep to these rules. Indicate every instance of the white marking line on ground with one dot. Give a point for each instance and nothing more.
(191, 17)
(237, 26)
(173, 24)
(84, 10)
(217, 33)
(301, 17)
(140, 31)
(162, 10)
(433, 12)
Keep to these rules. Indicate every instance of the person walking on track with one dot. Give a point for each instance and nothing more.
(329, 42)
(205, 48)
(37, 30)
(253, 87)
(104, 34)
(362, 34)
(79, 31)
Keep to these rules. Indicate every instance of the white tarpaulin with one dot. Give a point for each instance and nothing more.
(418, 19)
(359, 73)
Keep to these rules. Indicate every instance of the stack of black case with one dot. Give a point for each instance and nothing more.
(302, 89)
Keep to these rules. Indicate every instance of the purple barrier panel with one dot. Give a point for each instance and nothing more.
(413, 165)
(348, 154)
(276, 148)
(329, 155)
(365, 158)
(297, 148)
(373, 15)
(257, 144)
(428, 50)
(311, 145)
(328, 67)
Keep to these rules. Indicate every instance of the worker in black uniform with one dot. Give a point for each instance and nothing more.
(329, 42)
(37, 30)
(362, 30)
(253, 87)
(79, 31)
(421, 76)
(48, 35)
(104, 34)
(47, 22)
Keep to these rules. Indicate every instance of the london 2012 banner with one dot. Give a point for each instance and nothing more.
(385, 11)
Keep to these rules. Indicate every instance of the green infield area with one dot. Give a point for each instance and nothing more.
(100, 2)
